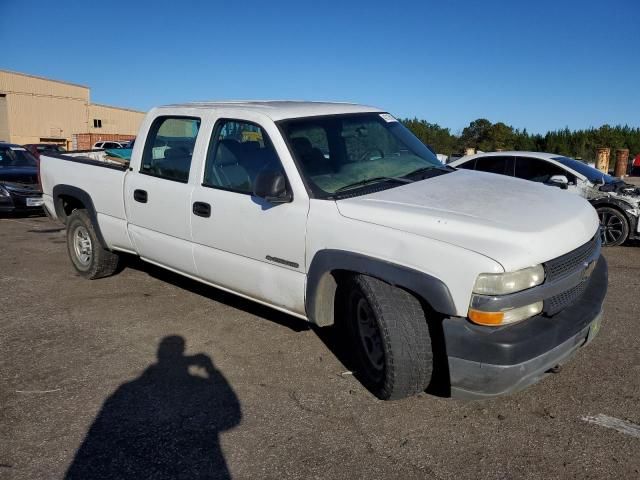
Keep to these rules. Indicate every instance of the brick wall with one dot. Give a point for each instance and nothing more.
(84, 141)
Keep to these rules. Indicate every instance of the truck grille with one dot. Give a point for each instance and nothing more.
(565, 265)
(570, 262)
(561, 301)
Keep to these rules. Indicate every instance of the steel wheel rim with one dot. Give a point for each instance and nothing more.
(369, 335)
(82, 245)
(611, 228)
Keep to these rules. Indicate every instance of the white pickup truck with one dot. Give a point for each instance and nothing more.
(337, 214)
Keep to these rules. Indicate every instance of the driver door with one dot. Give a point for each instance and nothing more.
(242, 242)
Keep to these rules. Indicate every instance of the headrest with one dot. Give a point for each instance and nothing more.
(251, 146)
(302, 145)
(228, 152)
(176, 152)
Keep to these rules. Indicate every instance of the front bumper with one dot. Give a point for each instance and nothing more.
(15, 203)
(489, 361)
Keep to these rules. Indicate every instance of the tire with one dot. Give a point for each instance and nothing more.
(87, 255)
(390, 337)
(614, 226)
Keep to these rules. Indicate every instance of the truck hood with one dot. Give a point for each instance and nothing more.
(515, 222)
(26, 175)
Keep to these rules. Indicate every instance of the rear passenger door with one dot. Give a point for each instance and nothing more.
(158, 196)
(242, 242)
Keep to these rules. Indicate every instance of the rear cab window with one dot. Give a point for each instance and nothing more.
(168, 150)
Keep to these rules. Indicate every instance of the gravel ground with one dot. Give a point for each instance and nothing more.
(148, 375)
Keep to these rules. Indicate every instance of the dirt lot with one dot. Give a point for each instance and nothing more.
(93, 381)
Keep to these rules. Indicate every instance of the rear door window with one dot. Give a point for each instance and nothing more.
(169, 148)
(502, 165)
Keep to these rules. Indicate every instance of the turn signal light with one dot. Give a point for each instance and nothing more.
(486, 318)
(505, 317)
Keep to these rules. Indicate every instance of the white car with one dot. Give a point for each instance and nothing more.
(617, 202)
(108, 145)
(335, 213)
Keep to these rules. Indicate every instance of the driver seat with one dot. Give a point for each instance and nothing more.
(312, 159)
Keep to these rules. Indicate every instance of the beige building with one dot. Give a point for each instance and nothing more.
(40, 110)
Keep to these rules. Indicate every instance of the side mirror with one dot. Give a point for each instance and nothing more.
(272, 186)
(559, 181)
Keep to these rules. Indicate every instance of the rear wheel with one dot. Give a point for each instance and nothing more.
(614, 226)
(390, 336)
(86, 254)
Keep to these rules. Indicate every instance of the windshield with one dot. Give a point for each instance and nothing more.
(16, 157)
(593, 175)
(354, 151)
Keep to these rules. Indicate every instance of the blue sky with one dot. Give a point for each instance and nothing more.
(540, 65)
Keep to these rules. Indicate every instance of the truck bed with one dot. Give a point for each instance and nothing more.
(100, 178)
(99, 158)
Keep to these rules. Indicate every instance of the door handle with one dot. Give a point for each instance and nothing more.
(202, 209)
(140, 196)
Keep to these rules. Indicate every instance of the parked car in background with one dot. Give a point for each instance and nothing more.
(37, 148)
(338, 214)
(108, 145)
(19, 187)
(635, 166)
(453, 157)
(617, 202)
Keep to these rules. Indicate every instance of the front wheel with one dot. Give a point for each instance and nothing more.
(390, 336)
(87, 255)
(614, 227)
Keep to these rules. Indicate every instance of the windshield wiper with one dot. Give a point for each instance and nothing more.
(433, 169)
(367, 181)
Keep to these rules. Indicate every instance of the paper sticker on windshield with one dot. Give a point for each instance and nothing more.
(387, 117)
(18, 149)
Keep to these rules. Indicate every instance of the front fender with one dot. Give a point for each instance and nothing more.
(321, 284)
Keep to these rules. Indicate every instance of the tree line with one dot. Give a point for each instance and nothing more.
(483, 135)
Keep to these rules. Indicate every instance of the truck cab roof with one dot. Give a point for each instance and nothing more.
(279, 109)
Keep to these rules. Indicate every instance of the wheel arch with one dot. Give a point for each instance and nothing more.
(329, 265)
(622, 207)
(67, 198)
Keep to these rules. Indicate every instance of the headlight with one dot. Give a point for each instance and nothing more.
(3, 192)
(509, 282)
(495, 284)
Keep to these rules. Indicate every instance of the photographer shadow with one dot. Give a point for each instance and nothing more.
(164, 424)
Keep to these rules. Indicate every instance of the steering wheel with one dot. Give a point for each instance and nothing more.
(368, 155)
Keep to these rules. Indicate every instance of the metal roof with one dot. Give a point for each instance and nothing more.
(44, 78)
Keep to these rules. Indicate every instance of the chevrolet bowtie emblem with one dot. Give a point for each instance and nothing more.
(589, 267)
